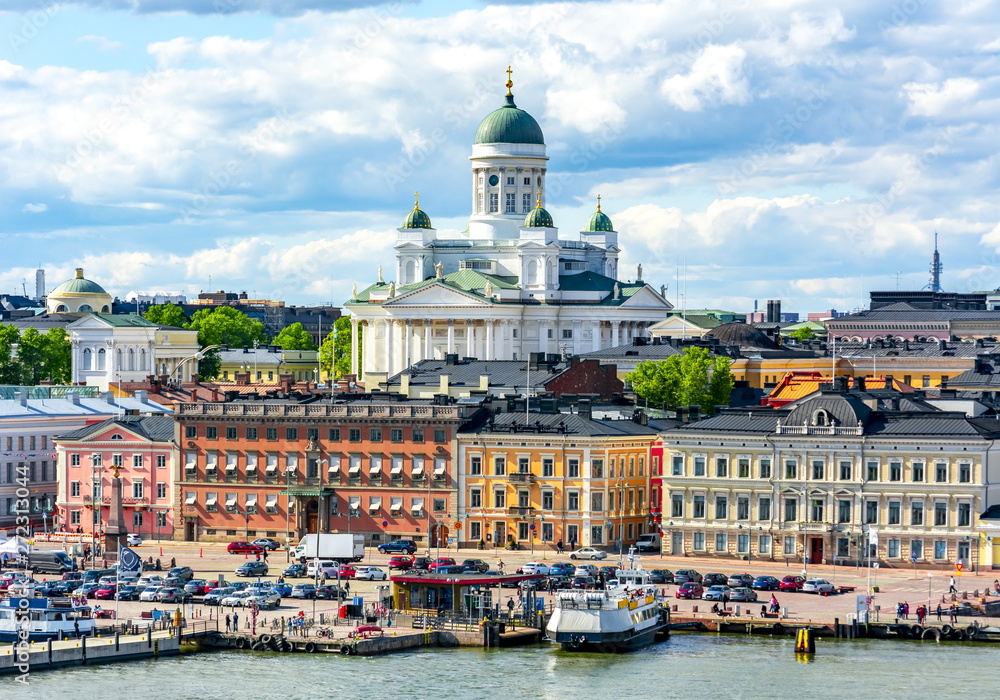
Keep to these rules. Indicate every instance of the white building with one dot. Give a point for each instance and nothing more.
(508, 285)
(155, 297)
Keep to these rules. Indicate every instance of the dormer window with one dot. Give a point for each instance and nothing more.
(822, 418)
(117, 436)
(478, 264)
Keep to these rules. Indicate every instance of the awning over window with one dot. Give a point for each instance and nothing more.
(213, 460)
(334, 465)
(439, 466)
(251, 499)
(397, 466)
(291, 462)
(418, 466)
(230, 463)
(230, 499)
(418, 505)
(211, 499)
(190, 460)
(190, 498)
(272, 463)
(354, 502)
(251, 462)
(355, 465)
(396, 504)
(375, 465)
(374, 504)
(271, 500)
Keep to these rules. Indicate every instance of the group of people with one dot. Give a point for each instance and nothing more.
(233, 622)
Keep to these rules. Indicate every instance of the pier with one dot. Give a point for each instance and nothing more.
(88, 650)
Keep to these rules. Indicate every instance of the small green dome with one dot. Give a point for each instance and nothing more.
(538, 218)
(417, 218)
(509, 125)
(79, 285)
(599, 222)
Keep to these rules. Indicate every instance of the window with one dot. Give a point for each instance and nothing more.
(494, 202)
(742, 544)
(743, 468)
(791, 510)
(916, 549)
(333, 435)
(941, 472)
(74, 517)
(926, 380)
(190, 431)
(765, 469)
(499, 466)
(312, 433)
(396, 435)
(940, 514)
(791, 469)
(116, 460)
(161, 490)
(375, 434)
(872, 471)
(354, 434)
(475, 531)
(895, 509)
(211, 432)
(676, 505)
(916, 514)
(230, 433)
(475, 498)
(523, 465)
(74, 489)
(721, 507)
(764, 508)
(722, 466)
(440, 436)
(137, 461)
(548, 498)
(698, 541)
(721, 542)
(161, 461)
(572, 500)
(965, 473)
(677, 465)
(789, 545)
(699, 466)
(816, 511)
(964, 514)
(764, 544)
(573, 469)
(742, 508)
(892, 549)
(510, 202)
(699, 507)
(597, 501)
(940, 549)
(312, 468)
(845, 471)
(499, 499)
(271, 433)
(818, 471)
(74, 460)
(137, 519)
(895, 471)
(871, 512)
(567, 334)
(418, 435)
(843, 546)
(525, 202)
(918, 471)
(843, 511)
(137, 489)
(596, 468)
(475, 466)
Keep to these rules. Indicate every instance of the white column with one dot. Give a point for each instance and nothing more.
(470, 334)
(354, 347)
(451, 336)
(488, 340)
(428, 337)
(614, 333)
(577, 336)
(368, 346)
(408, 342)
(502, 352)
(388, 346)
(596, 335)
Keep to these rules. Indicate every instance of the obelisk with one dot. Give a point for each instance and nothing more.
(115, 529)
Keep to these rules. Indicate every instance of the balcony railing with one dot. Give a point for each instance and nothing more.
(522, 477)
(520, 510)
(817, 430)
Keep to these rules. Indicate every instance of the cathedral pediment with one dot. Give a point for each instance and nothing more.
(646, 298)
(436, 294)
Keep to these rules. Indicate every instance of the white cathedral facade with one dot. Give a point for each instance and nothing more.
(508, 285)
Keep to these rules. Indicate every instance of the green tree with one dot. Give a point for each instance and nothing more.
(720, 385)
(10, 368)
(294, 337)
(335, 352)
(223, 325)
(657, 381)
(803, 333)
(693, 378)
(31, 357)
(57, 356)
(168, 314)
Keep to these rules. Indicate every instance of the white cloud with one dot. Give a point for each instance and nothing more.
(101, 43)
(716, 77)
(932, 100)
(34, 208)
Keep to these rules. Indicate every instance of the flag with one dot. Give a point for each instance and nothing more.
(128, 560)
(873, 537)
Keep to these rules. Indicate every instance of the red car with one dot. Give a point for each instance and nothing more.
(690, 590)
(105, 593)
(244, 548)
(439, 562)
(212, 585)
(400, 562)
(346, 571)
(791, 583)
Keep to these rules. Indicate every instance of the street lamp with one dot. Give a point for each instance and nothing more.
(930, 576)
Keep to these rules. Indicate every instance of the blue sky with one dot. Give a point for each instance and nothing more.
(800, 150)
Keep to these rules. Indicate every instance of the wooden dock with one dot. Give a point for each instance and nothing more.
(85, 651)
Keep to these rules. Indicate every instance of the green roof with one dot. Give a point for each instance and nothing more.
(79, 285)
(538, 217)
(599, 222)
(416, 218)
(509, 125)
(127, 321)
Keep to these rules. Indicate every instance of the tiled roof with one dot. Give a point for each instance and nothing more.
(905, 313)
(154, 428)
(84, 407)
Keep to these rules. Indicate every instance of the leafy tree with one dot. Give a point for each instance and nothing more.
(210, 365)
(336, 348)
(10, 368)
(803, 333)
(223, 325)
(57, 356)
(691, 379)
(294, 337)
(31, 357)
(168, 314)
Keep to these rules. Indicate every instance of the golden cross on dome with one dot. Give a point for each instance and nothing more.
(416, 196)
(598, 202)
(538, 202)
(510, 83)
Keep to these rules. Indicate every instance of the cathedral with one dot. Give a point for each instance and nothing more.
(508, 285)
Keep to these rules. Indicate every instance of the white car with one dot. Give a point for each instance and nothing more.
(234, 599)
(370, 573)
(149, 594)
(588, 553)
(151, 580)
(817, 585)
(267, 600)
(133, 540)
(535, 567)
(326, 566)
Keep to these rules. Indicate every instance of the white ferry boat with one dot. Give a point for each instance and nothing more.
(629, 616)
(44, 618)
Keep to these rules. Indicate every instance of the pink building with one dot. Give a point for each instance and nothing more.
(143, 450)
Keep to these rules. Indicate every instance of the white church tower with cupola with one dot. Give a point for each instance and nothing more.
(508, 285)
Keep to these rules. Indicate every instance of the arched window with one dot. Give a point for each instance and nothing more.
(142, 360)
(85, 309)
(410, 273)
(88, 358)
(61, 309)
(101, 359)
(532, 272)
(551, 277)
(105, 309)
(131, 359)
(821, 418)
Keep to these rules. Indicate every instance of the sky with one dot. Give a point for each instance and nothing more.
(745, 149)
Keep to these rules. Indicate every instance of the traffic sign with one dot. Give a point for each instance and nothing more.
(458, 526)
(385, 523)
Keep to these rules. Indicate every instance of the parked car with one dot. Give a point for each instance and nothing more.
(791, 583)
(398, 547)
(562, 569)
(370, 573)
(196, 586)
(73, 576)
(742, 594)
(103, 593)
(441, 561)
(244, 548)
(583, 582)
(173, 595)
(346, 571)
(608, 571)
(326, 566)
(151, 580)
(687, 575)
(422, 563)
(452, 570)
(303, 590)
(817, 585)
(740, 581)
(534, 567)
(128, 593)
(267, 543)
(214, 596)
(282, 589)
(477, 565)
(661, 575)
(133, 540)
(265, 600)
(184, 573)
(717, 592)
(765, 583)
(87, 590)
(331, 591)
(294, 571)
(234, 599)
(588, 553)
(149, 594)
(714, 580)
(252, 568)
(401, 562)
(585, 570)
(690, 590)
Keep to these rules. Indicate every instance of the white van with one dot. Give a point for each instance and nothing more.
(326, 566)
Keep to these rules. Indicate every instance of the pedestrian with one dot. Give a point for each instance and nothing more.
(347, 588)
(236, 622)
(952, 614)
(500, 565)
(265, 555)
(559, 546)
(951, 585)
(76, 628)
(939, 611)
(921, 613)
(906, 610)
(763, 611)
(996, 587)
(229, 623)
(510, 606)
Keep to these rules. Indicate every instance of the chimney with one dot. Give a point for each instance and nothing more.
(694, 412)
(74, 397)
(21, 397)
(484, 382)
(584, 409)
(859, 383)
(639, 416)
(451, 358)
(445, 381)
(404, 383)
(142, 396)
(888, 381)
(242, 379)
(286, 381)
(774, 310)
(109, 396)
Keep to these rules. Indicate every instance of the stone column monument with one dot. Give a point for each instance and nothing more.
(115, 529)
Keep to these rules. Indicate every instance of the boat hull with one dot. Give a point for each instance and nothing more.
(596, 643)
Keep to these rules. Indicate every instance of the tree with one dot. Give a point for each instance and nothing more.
(691, 379)
(31, 357)
(57, 354)
(168, 314)
(10, 368)
(803, 333)
(336, 348)
(223, 325)
(294, 337)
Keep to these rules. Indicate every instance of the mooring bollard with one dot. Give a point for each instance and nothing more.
(805, 643)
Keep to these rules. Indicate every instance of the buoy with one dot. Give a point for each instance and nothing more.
(805, 642)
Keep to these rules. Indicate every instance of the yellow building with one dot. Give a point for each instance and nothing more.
(265, 364)
(562, 477)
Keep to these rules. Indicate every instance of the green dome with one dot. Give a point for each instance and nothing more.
(79, 285)
(509, 125)
(599, 222)
(417, 219)
(538, 218)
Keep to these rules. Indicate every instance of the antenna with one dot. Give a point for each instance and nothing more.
(934, 284)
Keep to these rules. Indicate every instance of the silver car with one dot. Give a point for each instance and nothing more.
(717, 593)
(742, 594)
